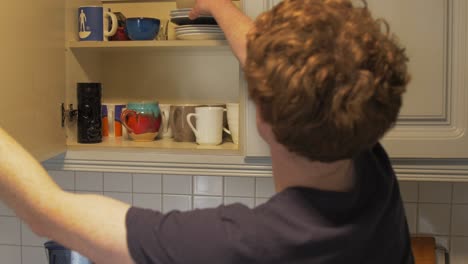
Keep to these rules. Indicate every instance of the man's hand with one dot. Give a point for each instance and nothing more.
(232, 21)
(207, 7)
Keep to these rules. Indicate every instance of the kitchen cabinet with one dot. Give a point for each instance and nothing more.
(172, 71)
(433, 120)
(41, 69)
(44, 69)
(41, 66)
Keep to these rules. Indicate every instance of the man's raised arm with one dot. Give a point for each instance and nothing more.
(232, 21)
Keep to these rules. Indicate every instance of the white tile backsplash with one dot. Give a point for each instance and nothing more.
(5, 210)
(208, 185)
(10, 254)
(10, 231)
(459, 250)
(443, 241)
(460, 219)
(409, 191)
(435, 192)
(147, 183)
(264, 187)
(64, 179)
(247, 201)
(201, 202)
(177, 184)
(434, 219)
(428, 206)
(148, 201)
(260, 201)
(177, 202)
(89, 192)
(460, 193)
(117, 182)
(89, 181)
(239, 186)
(411, 210)
(123, 197)
(29, 238)
(34, 255)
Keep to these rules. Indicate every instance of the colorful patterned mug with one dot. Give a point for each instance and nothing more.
(142, 120)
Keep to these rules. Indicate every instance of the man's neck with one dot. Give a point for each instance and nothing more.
(292, 170)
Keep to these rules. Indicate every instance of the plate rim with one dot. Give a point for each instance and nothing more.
(188, 16)
(201, 33)
(197, 25)
(218, 38)
(181, 9)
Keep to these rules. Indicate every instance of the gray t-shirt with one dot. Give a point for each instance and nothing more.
(298, 225)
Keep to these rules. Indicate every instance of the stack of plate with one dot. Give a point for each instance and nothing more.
(199, 32)
(181, 17)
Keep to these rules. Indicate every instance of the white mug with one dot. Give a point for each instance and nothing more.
(165, 131)
(209, 123)
(233, 121)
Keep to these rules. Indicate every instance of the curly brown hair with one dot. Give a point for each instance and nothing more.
(325, 76)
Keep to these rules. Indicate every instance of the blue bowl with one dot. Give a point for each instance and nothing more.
(142, 28)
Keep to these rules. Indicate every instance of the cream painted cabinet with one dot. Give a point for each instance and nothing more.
(43, 60)
(434, 120)
(256, 150)
(32, 74)
(39, 71)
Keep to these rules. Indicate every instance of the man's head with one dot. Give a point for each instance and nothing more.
(325, 77)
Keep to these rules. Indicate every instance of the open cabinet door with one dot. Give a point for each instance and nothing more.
(32, 74)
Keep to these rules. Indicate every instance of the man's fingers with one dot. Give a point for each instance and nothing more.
(195, 13)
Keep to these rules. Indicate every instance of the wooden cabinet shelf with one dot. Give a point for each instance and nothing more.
(155, 44)
(159, 145)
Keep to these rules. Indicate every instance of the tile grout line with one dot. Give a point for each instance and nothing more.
(417, 209)
(131, 186)
(21, 243)
(451, 218)
(162, 193)
(193, 192)
(13, 245)
(224, 189)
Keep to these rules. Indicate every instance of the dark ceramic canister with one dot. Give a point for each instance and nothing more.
(89, 112)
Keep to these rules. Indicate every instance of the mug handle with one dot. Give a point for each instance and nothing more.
(189, 116)
(165, 121)
(225, 129)
(114, 22)
(123, 118)
(111, 121)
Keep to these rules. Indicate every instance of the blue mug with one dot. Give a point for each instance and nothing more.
(93, 23)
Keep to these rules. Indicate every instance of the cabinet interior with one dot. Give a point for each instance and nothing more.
(137, 71)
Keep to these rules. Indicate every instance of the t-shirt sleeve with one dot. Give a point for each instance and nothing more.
(225, 233)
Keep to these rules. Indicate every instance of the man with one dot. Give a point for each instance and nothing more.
(327, 84)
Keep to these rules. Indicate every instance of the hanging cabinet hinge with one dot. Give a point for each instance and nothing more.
(69, 113)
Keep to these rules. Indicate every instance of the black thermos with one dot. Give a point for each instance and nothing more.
(89, 112)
